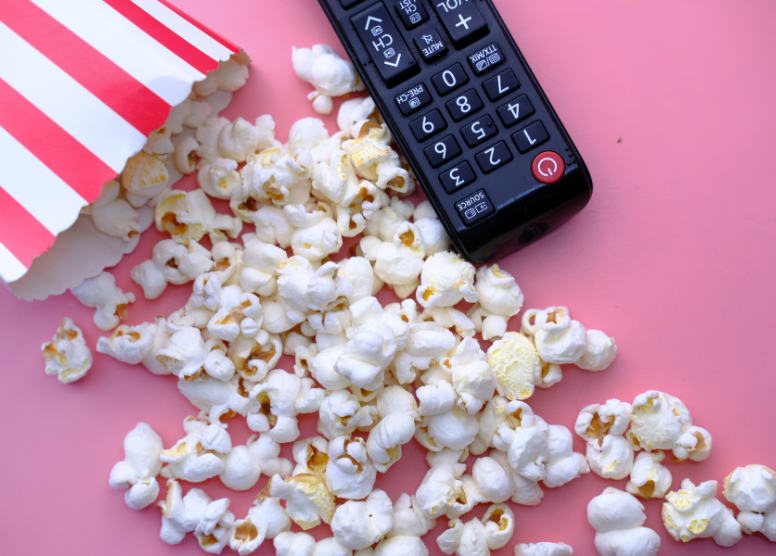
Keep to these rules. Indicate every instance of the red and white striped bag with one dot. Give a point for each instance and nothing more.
(82, 84)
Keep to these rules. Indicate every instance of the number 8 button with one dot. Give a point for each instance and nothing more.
(466, 104)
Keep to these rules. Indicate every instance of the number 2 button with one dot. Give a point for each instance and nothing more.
(442, 151)
(494, 157)
(430, 124)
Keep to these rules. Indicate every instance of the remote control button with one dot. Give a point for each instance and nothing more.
(349, 3)
(501, 85)
(548, 167)
(465, 105)
(450, 79)
(413, 99)
(479, 131)
(411, 12)
(462, 20)
(515, 111)
(494, 157)
(428, 126)
(474, 208)
(430, 44)
(385, 45)
(442, 151)
(487, 58)
(530, 137)
(457, 177)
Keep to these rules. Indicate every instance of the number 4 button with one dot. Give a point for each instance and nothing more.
(515, 111)
(494, 157)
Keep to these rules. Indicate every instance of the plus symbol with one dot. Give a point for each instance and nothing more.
(464, 22)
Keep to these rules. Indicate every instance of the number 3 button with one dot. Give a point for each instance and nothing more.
(442, 151)
(430, 124)
(494, 157)
(458, 177)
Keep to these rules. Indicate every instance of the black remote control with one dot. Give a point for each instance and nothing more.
(468, 114)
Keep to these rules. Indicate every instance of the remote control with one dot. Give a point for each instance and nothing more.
(469, 116)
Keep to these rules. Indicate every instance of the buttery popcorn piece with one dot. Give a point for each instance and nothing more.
(308, 501)
(111, 302)
(516, 363)
(694, 513)
(141, 465)
(610, 456)
(648, 478)
(617, 518)
(658, 420)
(67, 355)
(441, 493)
(186, 215)
(753, 490)
(595, 421)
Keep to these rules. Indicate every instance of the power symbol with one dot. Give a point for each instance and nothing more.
(548, 167)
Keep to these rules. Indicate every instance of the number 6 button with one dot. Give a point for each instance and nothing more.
(494, 157)
(430, 124)
(442, 151)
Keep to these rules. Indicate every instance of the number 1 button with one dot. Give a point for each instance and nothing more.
(442, 151)
(494, 157)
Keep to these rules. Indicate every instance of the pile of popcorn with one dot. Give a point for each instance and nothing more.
(377, 376)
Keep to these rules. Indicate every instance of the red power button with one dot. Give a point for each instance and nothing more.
(548, 167)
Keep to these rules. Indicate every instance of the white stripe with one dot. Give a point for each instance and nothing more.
(67, 102)
(191, 33)
(11, 268)
(127, 46)
(35, 187)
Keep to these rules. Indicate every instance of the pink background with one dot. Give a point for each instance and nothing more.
(671, 105)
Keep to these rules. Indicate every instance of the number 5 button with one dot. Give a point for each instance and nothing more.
(494, 157)
(458, 177)
(443, 150)
(430, 124)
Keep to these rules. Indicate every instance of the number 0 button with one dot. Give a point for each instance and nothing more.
(458, 177)
(443, 150)
(494, 157)
(430, 124)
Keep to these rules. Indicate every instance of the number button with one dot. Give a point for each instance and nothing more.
(465, 105)
(515, 111)
(494, 157)
(530, 137)
(462, 20)
(411, 12)
(458, 177)
(481, 130)
(501, 85)
(450, 79)
(429, 125)
(442, 151)
(430, 44)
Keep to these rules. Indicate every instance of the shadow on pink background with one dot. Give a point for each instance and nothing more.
(670, 104)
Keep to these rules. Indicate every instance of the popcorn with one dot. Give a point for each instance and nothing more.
(544, 549)
(454, 429)
(600, 353)
(294, 544)
(207, 135)
(111, 303)
(265, 520)
(128, 344)
(499, 521)
(197, 114)
(238, 313)
(596, 421)
(559, 339)
(517, 366)
(358, 272)
(331, 76)
(479, 537)
(318, 241)
(610, 457)
(617, 518)
(220, 178)
(254, 356)
(341, 414)
(185, 155)
(115, 217)
(67, 355)
(399, 263)
(649, 479)
(184, 353)
(266, 451)
(185, 215)
(349, 472)
(145, 176)
(527, 491)
(308, 501)
(753, 490)
(232, 74)
(190, 461)
(473, 379)
(694, 443)
(358, 525)
(401, 546)
(208, 519)
(241, 470)
(215, 397)
(694, 513)
(492, 480)
(500, 298)
(441, 493)
(398, 415)
(436, 399)
(563, 464)
(238, 140)
(433, 233)
(408, 519)
(445, 280)
(262, 262)
(141, 465)
(658, 421)
(171, 263)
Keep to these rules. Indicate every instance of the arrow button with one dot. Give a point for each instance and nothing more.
(385, 44)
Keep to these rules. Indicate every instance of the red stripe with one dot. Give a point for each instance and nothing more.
(164, 36)
(53, 146)
(22, 235)
(130, 99)
(225, 42)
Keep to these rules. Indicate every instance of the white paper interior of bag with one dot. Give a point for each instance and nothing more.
(82, 251)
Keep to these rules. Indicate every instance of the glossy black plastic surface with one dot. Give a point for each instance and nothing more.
(515, 208)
